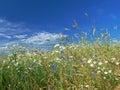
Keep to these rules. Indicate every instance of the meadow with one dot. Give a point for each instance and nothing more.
(77, 66)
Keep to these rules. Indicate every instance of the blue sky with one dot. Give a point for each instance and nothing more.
(33, 21)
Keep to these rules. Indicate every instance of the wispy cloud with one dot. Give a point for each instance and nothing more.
(20, 36)
(5, 36)
(38, 39)
(41, 38)
(6, 47)
(10, 28)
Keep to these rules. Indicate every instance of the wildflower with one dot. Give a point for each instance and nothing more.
(45, 57)
(98, 68)
(90, 55)
(86, 86)
(98, 71)
(81, 85)
(77, 75)
(42, 52)
(16, 64)
(89, 61)
(95, 55)
(82, 65)
(55, 69)
(61, 50)
(117, 79)
(70, 57)
(36, 51)
(61, 57)
(9, 85)
(81, 59)
(93, 74)
(117, 63)
(28, 54)
(106, 62)
(8, 67)
(4, 61)
(109, 71)
(104, 77)
(113, 59)
(48, 71)
(67, 57)
(94, 62)
(30, 67)
(57, 45)
(105, 72)
(62, 47)
(67, 77)
(53, 65)
(58, 59)
(91, 65)
(49, 86)
(56, 51)
(100, 63)
(18, 70)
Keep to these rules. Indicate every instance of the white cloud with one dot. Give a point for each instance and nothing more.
(10, 28)
(10, 31)
(7, 47)
(2, 20)
(41, 38)
(20, 36)
(116, 41)
(5, 36)
(11, 43)
(37, 39)
(3, 50)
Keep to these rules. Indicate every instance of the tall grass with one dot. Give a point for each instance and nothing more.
(80, 66)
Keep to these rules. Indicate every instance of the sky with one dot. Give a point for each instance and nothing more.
(34, 21)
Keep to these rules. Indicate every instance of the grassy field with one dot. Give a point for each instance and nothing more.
(86, 66)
